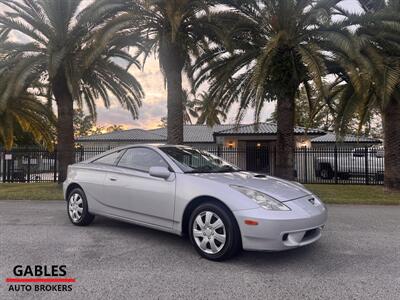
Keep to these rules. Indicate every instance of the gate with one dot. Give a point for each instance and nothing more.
(29, 165)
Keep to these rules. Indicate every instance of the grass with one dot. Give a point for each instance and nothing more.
(329, 193)
(354, 194)
(30, 191)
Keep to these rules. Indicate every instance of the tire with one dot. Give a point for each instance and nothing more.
(326, 172)
(77, 208)
(228, 242)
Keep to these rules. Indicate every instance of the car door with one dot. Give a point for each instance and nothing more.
(92, 178)
(136, 194)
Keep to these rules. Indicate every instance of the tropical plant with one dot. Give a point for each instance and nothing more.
(27, 114)
(311, 111)
(75, 54)
(268, 48)
(174, 30)
(189, 110)
(190, 107)
(114, 127)
(83, 124)
(163, 122)
(208, 111)
(367, 62)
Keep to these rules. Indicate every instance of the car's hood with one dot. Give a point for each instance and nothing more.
(279, 189)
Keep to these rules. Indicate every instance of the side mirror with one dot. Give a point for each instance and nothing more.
(159, 172)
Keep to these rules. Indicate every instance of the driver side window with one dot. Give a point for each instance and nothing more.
(141, 159)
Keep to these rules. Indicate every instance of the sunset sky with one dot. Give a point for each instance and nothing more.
(154, 104)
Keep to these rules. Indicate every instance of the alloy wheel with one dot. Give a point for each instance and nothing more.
(209, 232)
(75, 207)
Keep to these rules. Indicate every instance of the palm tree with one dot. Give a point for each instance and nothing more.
(208, 111)
(188, 108)
(114, 127)
(311, 110)
(268, 49)
(175, 31)
(368, 65)
(74, 53)
(26, 113)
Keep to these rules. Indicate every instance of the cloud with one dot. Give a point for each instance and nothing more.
(154, 104)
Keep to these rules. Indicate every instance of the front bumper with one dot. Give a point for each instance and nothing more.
(282, 230)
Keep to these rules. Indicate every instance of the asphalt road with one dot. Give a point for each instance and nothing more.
(358, 257)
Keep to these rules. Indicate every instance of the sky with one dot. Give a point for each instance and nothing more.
(155, 102)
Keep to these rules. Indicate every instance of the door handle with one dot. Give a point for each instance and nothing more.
(113, 179)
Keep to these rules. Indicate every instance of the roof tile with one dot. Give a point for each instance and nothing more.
(330, 137)
(205, 134)
(263, 128)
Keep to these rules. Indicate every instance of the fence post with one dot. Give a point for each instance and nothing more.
(366, 166)
(305, 165)
(4, 166)
(8, 168)
(12, 168)
(336, 164)
(55, 165)
(82, 154)
(29, 168)
(275, 154)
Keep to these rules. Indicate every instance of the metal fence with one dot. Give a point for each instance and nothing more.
(312, 165)
(36, 165)
(340, 165)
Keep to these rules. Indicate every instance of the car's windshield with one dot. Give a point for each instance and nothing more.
(198, 161)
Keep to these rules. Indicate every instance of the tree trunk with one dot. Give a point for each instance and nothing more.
(285, 145)
(173, 64)
(391, 127)
(65, 129)
(175, 110)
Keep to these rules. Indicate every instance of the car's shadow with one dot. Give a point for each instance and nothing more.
(182, 245)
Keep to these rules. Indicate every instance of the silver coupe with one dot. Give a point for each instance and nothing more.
(191, 192)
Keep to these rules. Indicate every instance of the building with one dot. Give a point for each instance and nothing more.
(348, 141)
(229, 136)
(251, 147)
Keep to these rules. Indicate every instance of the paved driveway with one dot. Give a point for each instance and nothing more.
(358, 257)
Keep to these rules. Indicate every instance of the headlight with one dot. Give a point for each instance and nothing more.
(262, 199)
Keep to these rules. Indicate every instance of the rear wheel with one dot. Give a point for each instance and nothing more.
(214, 232)
(77, 208)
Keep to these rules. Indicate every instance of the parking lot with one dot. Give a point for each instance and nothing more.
(358, 257)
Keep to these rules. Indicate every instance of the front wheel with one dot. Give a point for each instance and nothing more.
(77, 207)
(214, 232)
